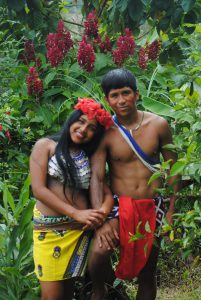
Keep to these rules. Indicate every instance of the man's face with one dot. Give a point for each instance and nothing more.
(122, 100)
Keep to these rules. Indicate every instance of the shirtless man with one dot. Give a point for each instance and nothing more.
(128, 177)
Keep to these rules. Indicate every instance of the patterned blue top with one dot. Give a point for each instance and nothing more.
(82, 166)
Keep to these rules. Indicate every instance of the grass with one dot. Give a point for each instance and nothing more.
(181, 283)
(178, 294)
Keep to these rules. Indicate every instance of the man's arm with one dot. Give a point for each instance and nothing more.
(174, 181)
(98, 162)
(101, 198)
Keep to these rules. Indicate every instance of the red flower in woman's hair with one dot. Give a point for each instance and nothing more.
(91, 25)
(93, 109)
(86, 56)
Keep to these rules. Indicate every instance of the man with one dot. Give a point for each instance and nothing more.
(129, 174)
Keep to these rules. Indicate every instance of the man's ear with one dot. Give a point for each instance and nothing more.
(137, 95)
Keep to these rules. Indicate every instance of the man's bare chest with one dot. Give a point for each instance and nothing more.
(119, 149)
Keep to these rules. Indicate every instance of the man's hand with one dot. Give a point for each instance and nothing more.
(108, 234)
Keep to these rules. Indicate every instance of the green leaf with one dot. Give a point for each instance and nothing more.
(135, 10)
(4, 213)
(36, 119)
(24, 197)
(102, 60)
(171, 235)
(16, 5)
(176, 17)
(26, 216)
(46, 114)
(190, 18)
(52, 91)
(122, 5)
(187, 4)
(75, 70)
(8, 198)
(147, 227)
(49, 78)
(164, 23)
(170, 147)
(153, 177)
(25, 244)
(177, 168)
(157, 107)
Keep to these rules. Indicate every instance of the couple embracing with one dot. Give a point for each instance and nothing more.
(68, 169)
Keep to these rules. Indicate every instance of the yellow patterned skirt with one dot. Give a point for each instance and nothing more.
(58, 254)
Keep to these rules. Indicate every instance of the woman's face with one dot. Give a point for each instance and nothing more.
(83, 130)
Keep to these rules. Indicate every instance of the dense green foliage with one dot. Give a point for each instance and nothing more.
(169, 86)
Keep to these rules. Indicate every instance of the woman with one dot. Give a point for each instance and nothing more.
(60, 174)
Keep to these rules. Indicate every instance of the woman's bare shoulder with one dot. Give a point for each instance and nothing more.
(44, 145)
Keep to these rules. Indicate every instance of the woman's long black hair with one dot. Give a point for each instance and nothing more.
(64, 143)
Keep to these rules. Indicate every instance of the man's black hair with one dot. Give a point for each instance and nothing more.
(117, 79)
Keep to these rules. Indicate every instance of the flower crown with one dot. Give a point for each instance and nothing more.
(93, 109)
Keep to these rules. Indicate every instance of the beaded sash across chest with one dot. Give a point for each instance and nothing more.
(145, 159)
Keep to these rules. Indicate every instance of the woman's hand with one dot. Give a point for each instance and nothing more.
(90, 218)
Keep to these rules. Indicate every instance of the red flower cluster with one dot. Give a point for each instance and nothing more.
(142, 58)
(91, 25)
(7, 133)
(92, 109)
(125, 47)
(86, 56)
(28, 55)
(34, 83)
(58, 44)
(105, 45)
(154, 50)
(150, 52)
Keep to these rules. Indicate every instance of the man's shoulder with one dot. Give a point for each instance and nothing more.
(110, 132)
(156, 119)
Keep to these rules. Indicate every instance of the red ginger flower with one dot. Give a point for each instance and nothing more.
(28, 55)
(154, 50)
(1, 127)
(125, 47)
(86, 56)
(8, 135)
(91, 25)
(93, 109)
(142, 59)
(58, 44)
(34, 83)
(106, 46)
